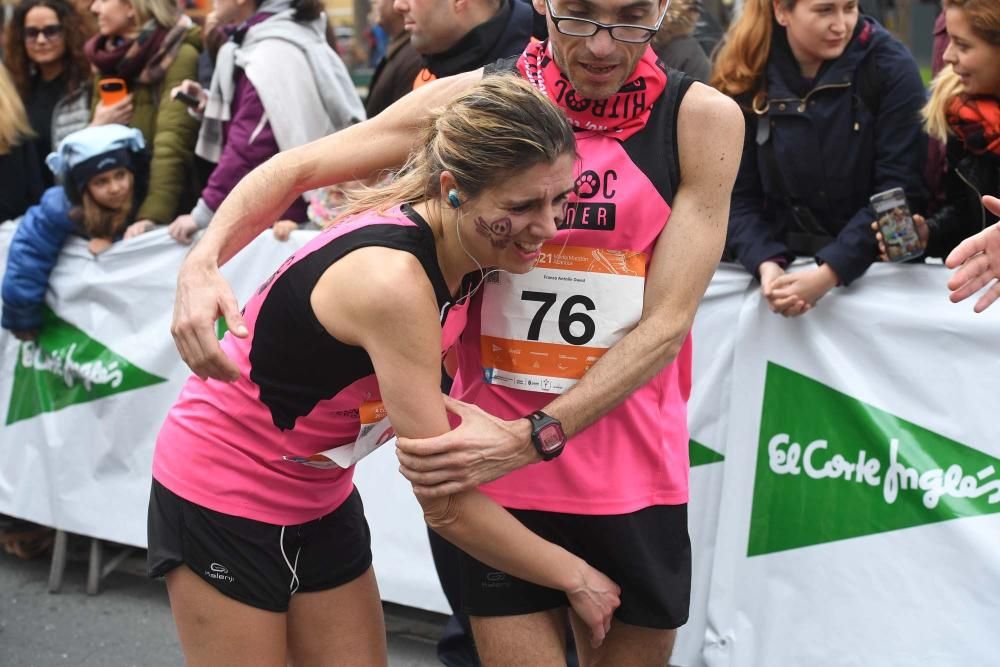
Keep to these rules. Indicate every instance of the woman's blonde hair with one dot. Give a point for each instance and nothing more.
(946, 86)
(739, 67)
(984, 18)
(14, 125)
(164, 12)
(499, 127)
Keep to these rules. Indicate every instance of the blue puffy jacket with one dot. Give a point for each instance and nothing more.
(32, 254)
(835, 142)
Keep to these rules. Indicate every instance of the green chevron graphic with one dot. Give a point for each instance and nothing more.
(830, 467)
(65, 367)
(701, 455)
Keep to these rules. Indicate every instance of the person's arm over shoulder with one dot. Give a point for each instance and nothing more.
(173, 143)
(686, 255)
(380, 299)
(900, 153)
(354, 153)
(257, 202)
(33, 253)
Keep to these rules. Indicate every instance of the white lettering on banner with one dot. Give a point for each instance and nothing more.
(784, 456)
(61, 363)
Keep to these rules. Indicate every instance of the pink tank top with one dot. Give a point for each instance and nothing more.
(636, 456)
(227, 446)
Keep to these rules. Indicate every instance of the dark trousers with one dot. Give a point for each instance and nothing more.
(456, 647)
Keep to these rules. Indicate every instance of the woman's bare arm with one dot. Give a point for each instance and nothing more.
(359, 151)
(393, 314)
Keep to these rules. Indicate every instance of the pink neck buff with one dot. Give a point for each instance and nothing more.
(621, 115)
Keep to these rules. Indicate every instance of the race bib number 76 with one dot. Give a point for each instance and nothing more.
(542, 330)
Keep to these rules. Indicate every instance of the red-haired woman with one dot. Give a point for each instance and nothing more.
(832, 102)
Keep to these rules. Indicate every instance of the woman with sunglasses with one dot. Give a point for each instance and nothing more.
(44, 53)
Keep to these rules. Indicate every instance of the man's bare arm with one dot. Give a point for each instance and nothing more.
(683, 263)
(265, 193)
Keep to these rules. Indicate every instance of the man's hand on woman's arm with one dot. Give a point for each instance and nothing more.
(393, 315)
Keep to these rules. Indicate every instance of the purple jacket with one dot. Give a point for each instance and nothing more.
(248, 142)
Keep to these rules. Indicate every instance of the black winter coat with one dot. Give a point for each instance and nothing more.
(969, 177)
(835, 141)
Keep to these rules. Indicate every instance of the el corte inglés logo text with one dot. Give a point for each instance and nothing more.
(831, 467)
(62, 364)
(814, 460)
(64, 367)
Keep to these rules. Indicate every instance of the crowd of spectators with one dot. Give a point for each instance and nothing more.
(835, 111)
(843, 112)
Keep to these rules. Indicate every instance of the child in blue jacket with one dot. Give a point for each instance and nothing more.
(105, 174)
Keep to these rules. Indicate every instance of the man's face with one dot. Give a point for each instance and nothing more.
(432, 24)
(598, 65)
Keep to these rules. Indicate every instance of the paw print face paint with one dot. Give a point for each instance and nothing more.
(500, 227)
(587, 185)
(576, 103)
(498, 231)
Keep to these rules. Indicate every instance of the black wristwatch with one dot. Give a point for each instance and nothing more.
(546, 435)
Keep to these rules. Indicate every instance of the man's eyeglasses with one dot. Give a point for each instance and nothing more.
(50, 32)
(622, 32)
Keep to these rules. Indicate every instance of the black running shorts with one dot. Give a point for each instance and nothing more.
(259, 564)
(647, 553)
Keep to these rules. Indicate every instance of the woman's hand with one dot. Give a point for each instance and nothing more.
(284, 228)
(923, 231)
(194, 89)
(803, 288)
(594, 601)
(183, 229)
(120, 112)
(138, 227)
(785, 304)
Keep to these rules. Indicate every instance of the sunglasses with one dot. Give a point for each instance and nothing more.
(50, 32)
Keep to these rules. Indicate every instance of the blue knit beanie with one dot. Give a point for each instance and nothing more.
(92, 151)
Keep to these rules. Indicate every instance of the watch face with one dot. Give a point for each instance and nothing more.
(551, 438)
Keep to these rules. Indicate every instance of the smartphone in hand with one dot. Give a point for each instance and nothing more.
(189, 100)
(899, 233)
(112, 90)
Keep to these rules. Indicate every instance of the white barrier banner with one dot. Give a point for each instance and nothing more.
(859, 517)
(82, 407)
(845, 480)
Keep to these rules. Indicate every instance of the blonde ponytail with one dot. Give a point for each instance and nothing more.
(946, 86)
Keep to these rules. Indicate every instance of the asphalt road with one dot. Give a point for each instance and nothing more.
(128, 623)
